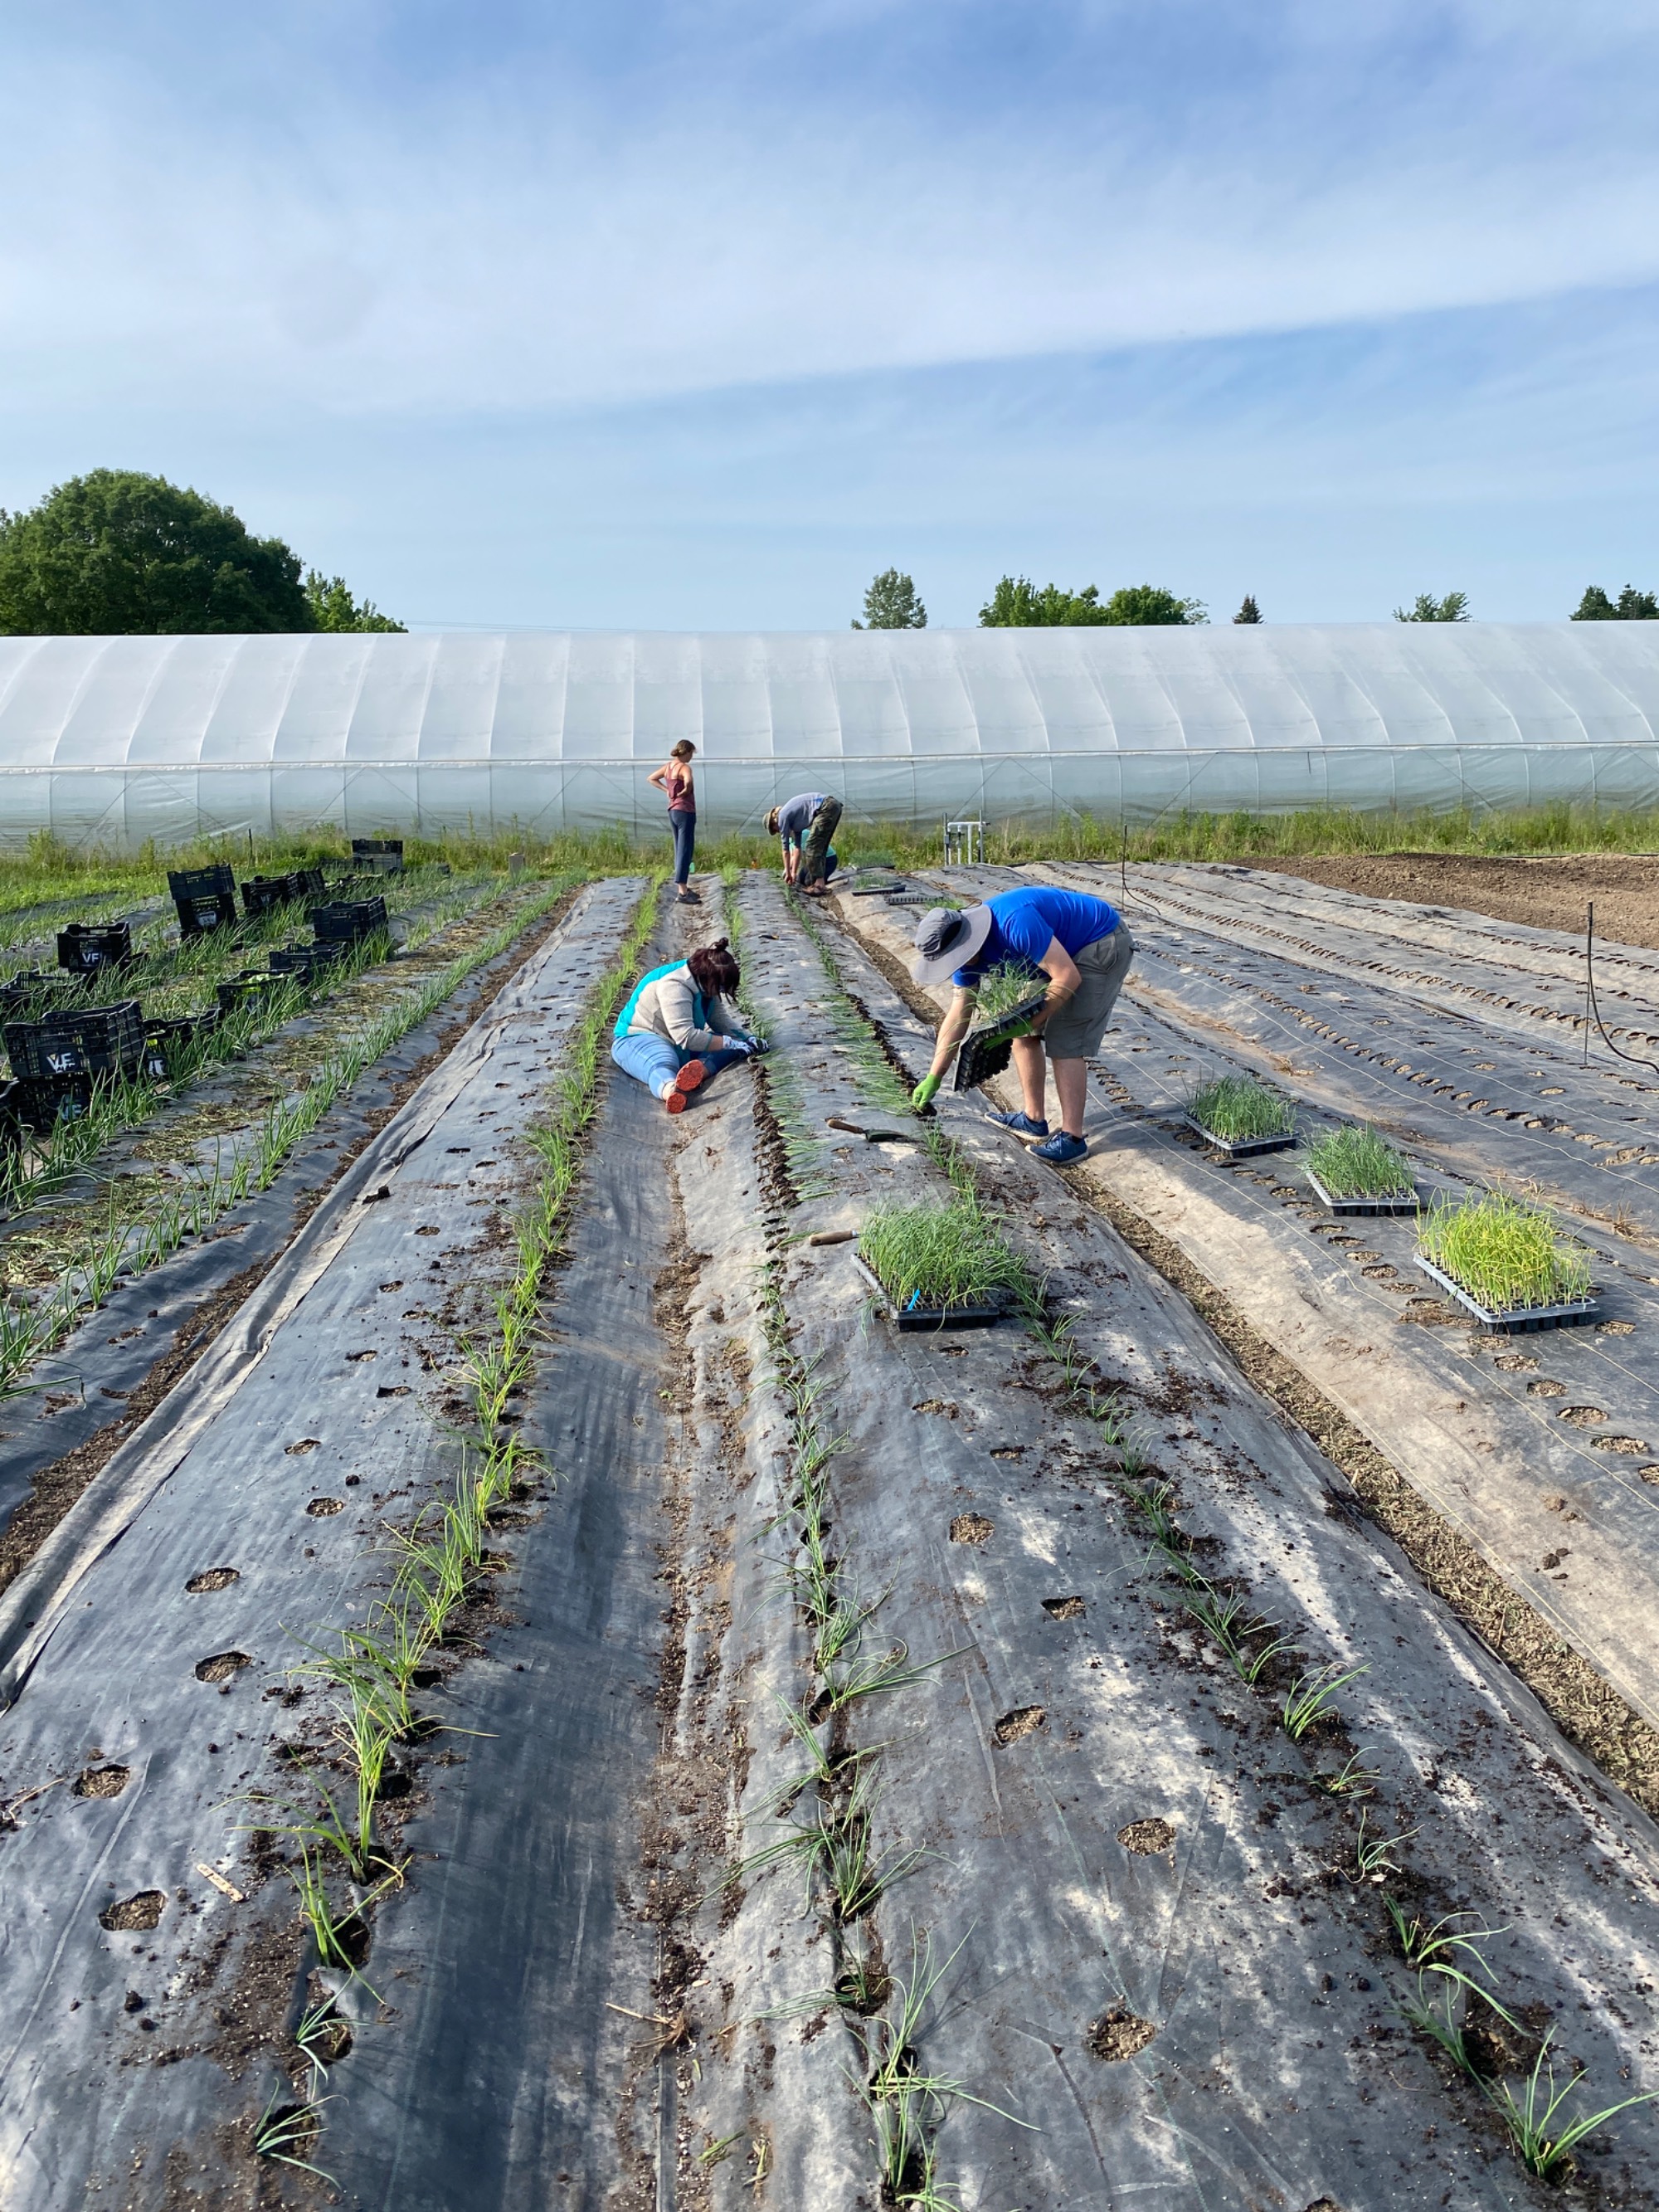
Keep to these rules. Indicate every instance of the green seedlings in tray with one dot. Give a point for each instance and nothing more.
(1357, 1163)
(1506, 1254)
(1545, 2142)
(939, 1255)
(1239, 1110)
(1311, 1699)
(1004, 987)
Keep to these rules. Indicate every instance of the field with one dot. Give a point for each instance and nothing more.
(520, 1686)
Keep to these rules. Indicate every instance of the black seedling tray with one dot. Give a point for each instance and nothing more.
(309, 963)
(90, 1041)
(987, 1052)
(932, 1317)
(346, 921)
(253, 988)
(1523, 1318)
(1243, 1147)
(1407, 1204)
(86, 946)
(910, 898)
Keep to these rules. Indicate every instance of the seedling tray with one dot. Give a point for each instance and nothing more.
(250, 989)
(1520, 1317)
(264, 894)
(1406, 1203)
(932, 1317)
(1240, 1148)
(987, 1052)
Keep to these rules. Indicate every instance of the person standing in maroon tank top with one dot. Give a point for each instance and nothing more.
(674, 779)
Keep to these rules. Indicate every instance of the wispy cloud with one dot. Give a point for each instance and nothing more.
(417, 208)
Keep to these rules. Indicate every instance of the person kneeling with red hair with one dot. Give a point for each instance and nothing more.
(680, 1025)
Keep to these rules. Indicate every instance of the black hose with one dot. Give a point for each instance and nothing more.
(1593, 1008)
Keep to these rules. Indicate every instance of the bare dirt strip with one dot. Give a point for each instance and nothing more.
(1542, 894)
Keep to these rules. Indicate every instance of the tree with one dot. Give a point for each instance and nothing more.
(1454, 607)
(1249, 612)
(333, 608)
(1632, 606)
(891, 602)
(117, 553)
(1016, 604)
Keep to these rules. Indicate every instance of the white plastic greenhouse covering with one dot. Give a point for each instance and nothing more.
(114, 740)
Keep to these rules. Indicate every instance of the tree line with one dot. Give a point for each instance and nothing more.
(117, 553)
(891, 602)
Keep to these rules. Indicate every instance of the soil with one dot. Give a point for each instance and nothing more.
(1542, 894)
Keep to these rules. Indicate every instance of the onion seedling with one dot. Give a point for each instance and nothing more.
(1375, 1857)
(282, 2130)
(1545, 2144)
(1358, 1162)
(1310, 1699)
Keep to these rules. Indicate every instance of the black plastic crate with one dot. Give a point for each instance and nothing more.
(211, 910)
(164, 1043)
(85, 947)
(306, 964)
(346, 921)
(312, 883)
(13, 1118)
(87, 1041)
(377, 848)
(216, 882)
(264, 894)
(28, 989)
(44, 1101)
(253, 988)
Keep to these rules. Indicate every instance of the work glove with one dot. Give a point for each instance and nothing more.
(922, 1097)
(759, 1044)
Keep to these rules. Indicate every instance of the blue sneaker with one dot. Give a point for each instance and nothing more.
(1061, 1151)
(1021, 1124)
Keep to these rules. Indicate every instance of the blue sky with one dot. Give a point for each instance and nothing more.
(694, 314)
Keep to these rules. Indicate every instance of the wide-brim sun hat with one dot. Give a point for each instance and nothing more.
(947, 939)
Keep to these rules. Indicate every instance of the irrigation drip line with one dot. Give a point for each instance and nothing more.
(1593, 1011)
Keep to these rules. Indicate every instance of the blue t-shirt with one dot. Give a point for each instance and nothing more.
(1025, 922)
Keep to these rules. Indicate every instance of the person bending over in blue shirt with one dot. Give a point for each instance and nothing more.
(1081, 945)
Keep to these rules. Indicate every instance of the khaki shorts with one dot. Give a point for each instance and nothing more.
(1075, 1032)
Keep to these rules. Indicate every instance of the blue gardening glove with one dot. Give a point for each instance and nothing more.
(760, 1044)
(922, 1097)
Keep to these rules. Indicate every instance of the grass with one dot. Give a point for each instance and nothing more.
(1506, 1254)
(1356, 1162)
(1240, 1109)
(939, 1255)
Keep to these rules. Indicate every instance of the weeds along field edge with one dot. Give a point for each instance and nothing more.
(1278, 1662)
(372, 1664)
(130, 1243)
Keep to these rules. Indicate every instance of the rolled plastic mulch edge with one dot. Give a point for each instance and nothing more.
(1517, 1317)
(1381, 1202)
(1240, 1148)
(935, 1317)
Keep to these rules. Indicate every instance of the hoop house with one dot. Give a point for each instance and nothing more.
(114, 741)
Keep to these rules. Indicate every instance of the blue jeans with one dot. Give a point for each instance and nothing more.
(652, 1060)
(683, 829)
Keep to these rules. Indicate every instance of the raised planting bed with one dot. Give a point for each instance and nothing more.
(1354, 1170)
(938, 1266)
(1240, 1116)
(1507, 1262)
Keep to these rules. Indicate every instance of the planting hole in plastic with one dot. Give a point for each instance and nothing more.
(1120, 2033)
(1147, 1837)
(103, 1781)
(972, 1528)
(214, 1578)
(221, 1666)
(141, 1912)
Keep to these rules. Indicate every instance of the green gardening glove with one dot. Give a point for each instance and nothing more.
(922, 1097)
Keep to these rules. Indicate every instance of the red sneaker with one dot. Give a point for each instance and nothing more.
(690, 1077)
